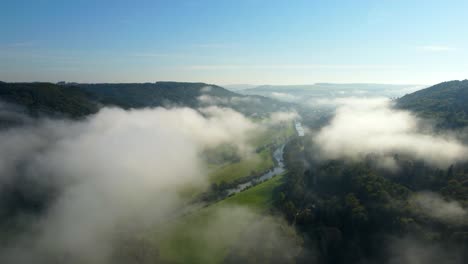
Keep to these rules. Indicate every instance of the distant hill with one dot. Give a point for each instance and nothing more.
(330, 90)
(446, 103)
(76, 100)
(238, 87)
(48, 98)
(137, 95)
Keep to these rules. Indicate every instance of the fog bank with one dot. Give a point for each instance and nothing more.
(364, 126)
(116, 170)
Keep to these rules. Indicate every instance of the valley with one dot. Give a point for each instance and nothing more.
(271, 187)
(233, 132)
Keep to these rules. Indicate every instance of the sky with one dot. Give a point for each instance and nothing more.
(233, 42)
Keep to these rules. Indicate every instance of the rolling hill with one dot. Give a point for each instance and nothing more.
(446, 103)
(76, 100)
(47, 98)
(329, 90)
(137, 95)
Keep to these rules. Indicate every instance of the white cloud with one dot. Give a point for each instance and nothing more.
(212, 100)
(115, 169)
(409, 250)
(244, 235)
(280, 117)
(232, 101)
(284, 96)
(364, 126)
(433, 205)
(206, 89)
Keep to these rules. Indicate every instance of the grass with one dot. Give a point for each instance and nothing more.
(196, 238)
(256, 163)
(275, 135)
(208, 235)
(259, 197)
(191, 240)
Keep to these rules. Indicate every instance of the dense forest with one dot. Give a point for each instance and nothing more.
(349, 211)
(76, 100)
(445, 102)
(24, 105)
(48, 98)
(355, 211)
(346, 211)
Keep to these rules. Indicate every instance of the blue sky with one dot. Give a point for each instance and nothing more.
(231, 42)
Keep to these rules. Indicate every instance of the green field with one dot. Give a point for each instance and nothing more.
(277, 134)
(207, 235)
(211, 233)
(257, 163)
(259, 197)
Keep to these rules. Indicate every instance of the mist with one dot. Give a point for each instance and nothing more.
(284, 97)
(206, 99)
(115, 170)
(436, 207)
(281, 117)
(372, 126)
(409, 250)
(13, 115)
(246, 235)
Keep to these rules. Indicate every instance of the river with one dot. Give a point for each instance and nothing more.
(278, 169)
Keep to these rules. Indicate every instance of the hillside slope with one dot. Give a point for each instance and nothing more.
(77, 100)
(446, 103)
(330, 90)
(48, 98)
(136, 95)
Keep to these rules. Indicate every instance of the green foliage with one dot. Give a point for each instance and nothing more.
(357, 210)
(48, 98)
(352, 207)
(198, 237)
(252, 165)
(225, 153)
(258, 197)
(275, 135)
(138, 95)
(77, 100)
(446, 103)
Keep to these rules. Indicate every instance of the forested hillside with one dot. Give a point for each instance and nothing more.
(381, 205)
(137, 95)
(77, 100)
(355, 211)
(48, 98)
(445, 102)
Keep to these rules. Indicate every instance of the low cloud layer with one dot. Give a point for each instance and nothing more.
(245, 235)
(409, 250)
(371, 126)
(281, 117)
(208, 100)
(434, 206)
(284, 97)
(115, 169)
(11, 115)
